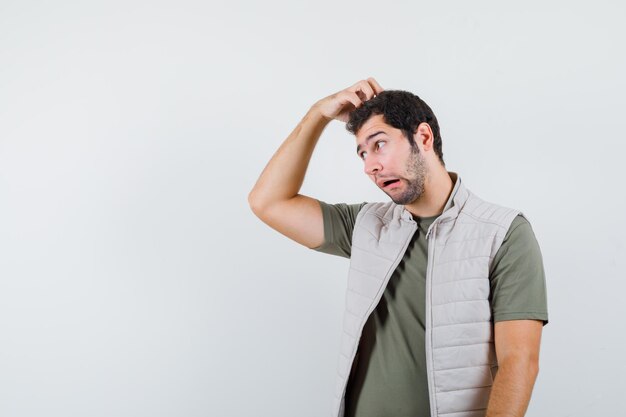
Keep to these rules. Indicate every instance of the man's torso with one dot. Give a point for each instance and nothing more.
(389, 376)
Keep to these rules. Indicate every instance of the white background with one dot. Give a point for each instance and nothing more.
(135, 280)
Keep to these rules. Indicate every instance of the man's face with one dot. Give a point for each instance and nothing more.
(390, 161)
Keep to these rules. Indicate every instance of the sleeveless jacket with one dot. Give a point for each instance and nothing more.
(462, 242)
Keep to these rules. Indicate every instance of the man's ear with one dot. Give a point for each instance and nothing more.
(424, 136)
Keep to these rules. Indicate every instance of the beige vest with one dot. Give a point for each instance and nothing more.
(462, 242)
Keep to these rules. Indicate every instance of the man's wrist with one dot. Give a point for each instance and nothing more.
(315, 115)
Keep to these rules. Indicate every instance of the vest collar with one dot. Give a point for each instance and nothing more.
(453, 206)
(457, 199)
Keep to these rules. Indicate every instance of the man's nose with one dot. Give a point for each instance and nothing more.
(372, 166)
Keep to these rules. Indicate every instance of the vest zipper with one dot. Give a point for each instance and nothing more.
(430, 236)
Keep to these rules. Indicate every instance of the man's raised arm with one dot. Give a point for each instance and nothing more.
(275, 197)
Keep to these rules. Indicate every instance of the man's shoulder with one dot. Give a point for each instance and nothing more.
(486, 211)
(383, 210)
(377, 206)
(340, 213)
(373, 207)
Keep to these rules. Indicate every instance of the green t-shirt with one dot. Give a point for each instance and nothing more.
(389, 376)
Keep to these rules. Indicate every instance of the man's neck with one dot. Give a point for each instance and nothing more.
(437, 189)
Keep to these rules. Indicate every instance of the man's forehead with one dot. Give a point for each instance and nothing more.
(374, 124)
(371, 129)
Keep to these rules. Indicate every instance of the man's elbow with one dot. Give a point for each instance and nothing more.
(252, 202)
(531, 360)
(255, 203)
(521, 364)
(532, 367)
(536, 369)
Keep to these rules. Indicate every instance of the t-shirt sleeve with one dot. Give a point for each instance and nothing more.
(518, 285)
(338, 226)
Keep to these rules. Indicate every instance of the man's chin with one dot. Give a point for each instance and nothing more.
(403, 199)
(398, 199)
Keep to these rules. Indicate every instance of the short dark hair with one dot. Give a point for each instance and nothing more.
(402, 110)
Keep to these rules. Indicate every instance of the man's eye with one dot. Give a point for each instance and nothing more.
(363, 154)
(380, 144)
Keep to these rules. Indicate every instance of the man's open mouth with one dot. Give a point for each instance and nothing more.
(389, 182)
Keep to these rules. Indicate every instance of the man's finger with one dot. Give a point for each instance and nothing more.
(353, 98)
(363, 87)
(366, 89)
(377, 88)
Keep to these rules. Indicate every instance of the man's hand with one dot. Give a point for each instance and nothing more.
(339, 105)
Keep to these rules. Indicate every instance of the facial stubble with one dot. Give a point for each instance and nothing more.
(415, 179)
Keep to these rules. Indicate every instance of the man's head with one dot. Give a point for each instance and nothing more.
(398, 139)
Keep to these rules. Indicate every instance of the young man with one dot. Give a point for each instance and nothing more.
(446, 295)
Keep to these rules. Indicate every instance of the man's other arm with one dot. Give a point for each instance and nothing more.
(275, 198)
(517, 349)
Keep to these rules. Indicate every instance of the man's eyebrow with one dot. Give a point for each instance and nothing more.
(370, 137)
